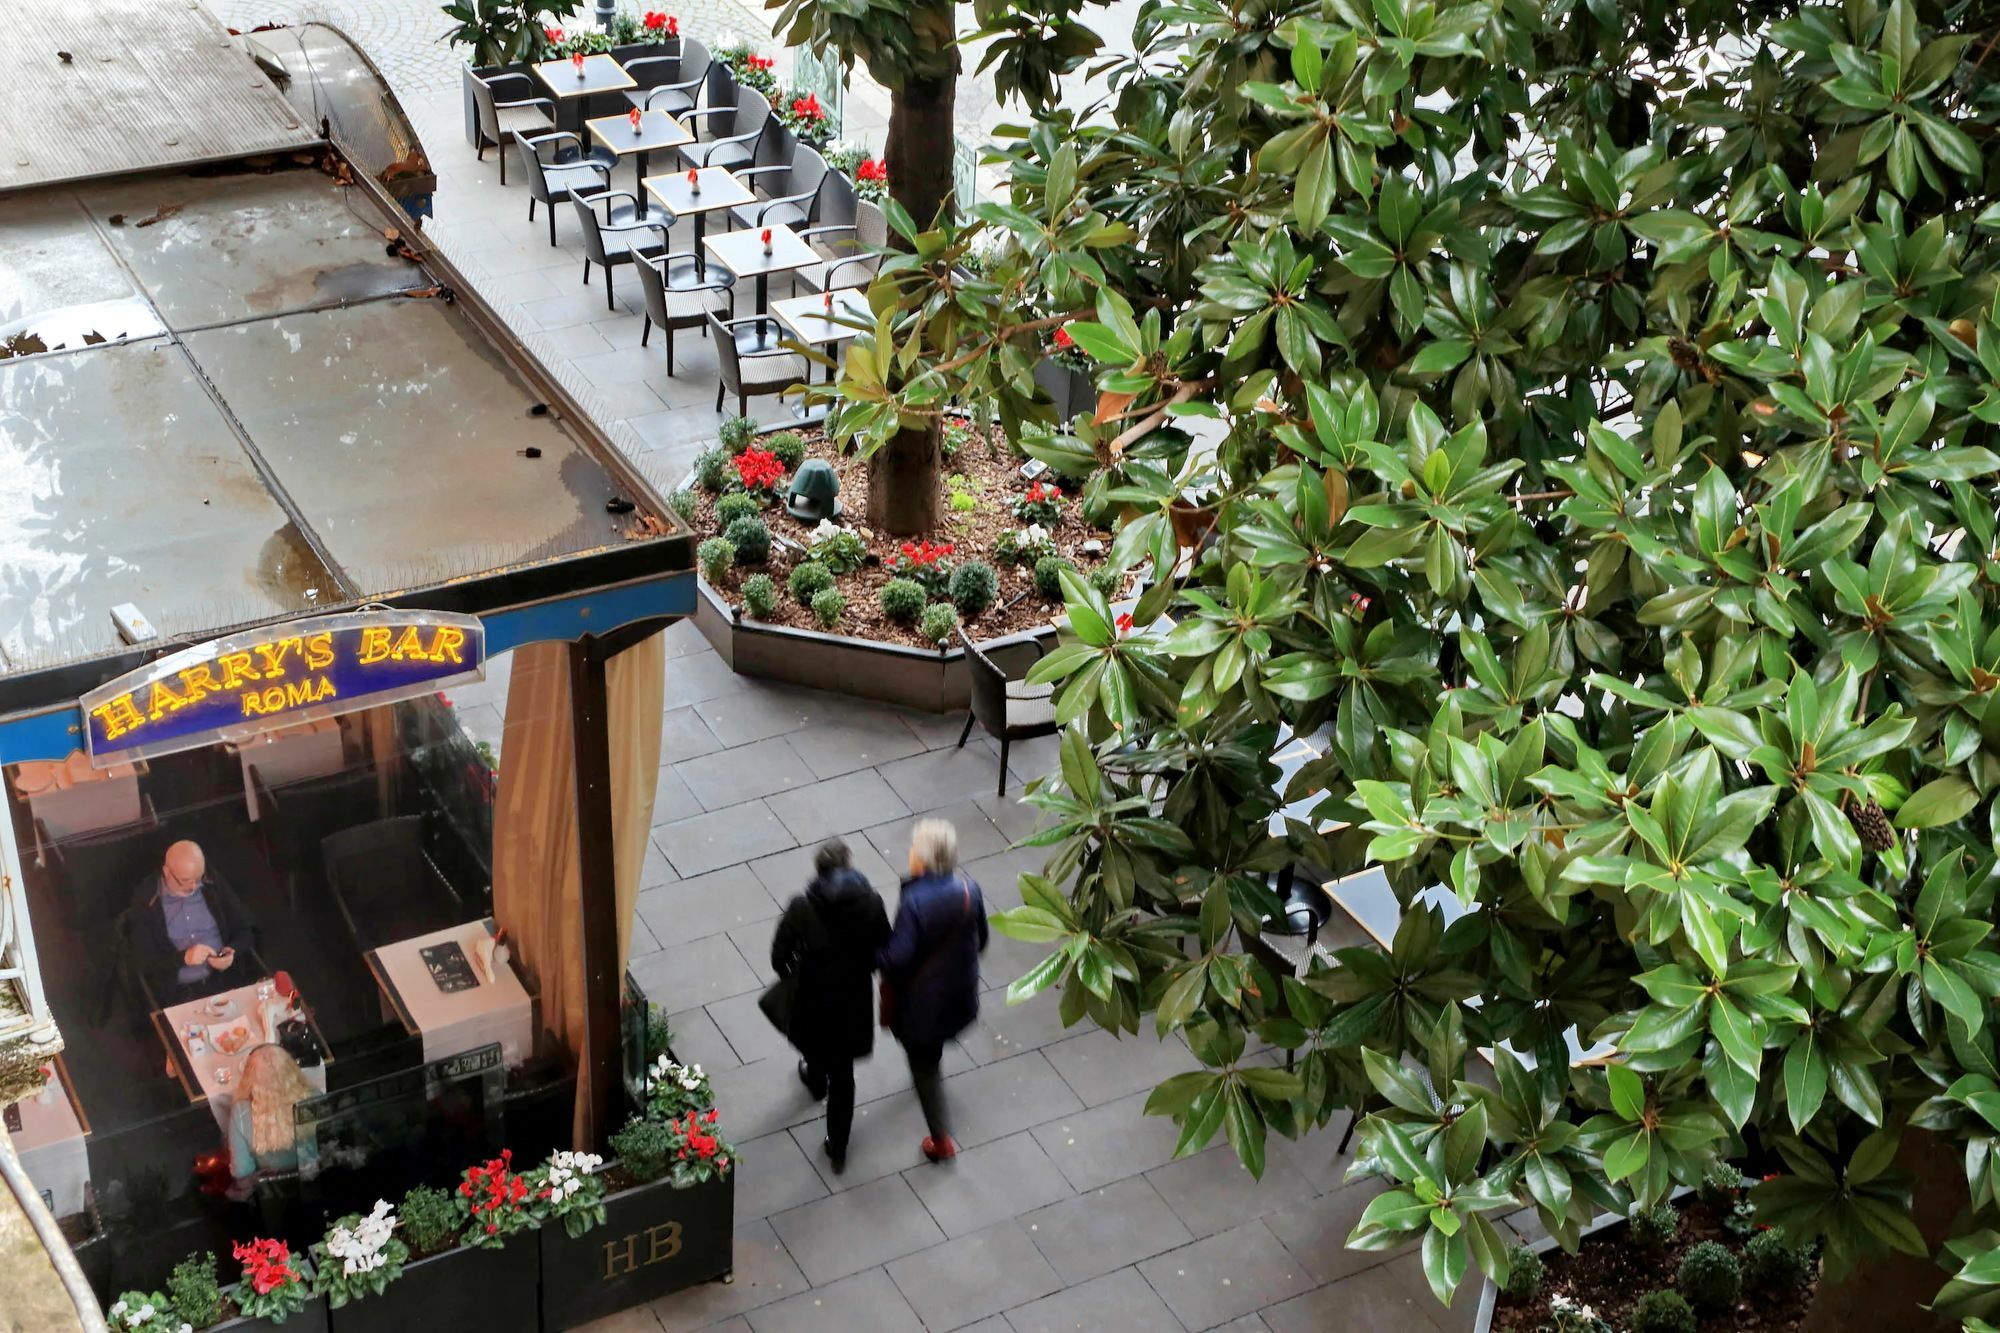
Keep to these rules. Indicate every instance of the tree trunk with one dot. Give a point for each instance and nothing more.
(903, 482)
(922, 146)
(1888, 1293)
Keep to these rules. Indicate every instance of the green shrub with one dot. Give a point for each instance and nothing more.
(732, 507)
(715, 556)
(712, 470)
(430, 1220)
(760, 596)
(1048, 577)
(1109, 581)
(940, 619)
(1719, 1187)
(1662, 1312)
(683, 502)
(790, 448)
(973, 587)
(193, 1293)
(1710, 1278)
(1525, 1271)
(659, 1033)
(1775, 1265)
(1651, 1228)
(829, 605)
(903, 600)
(807, 581)
(736, 434)
(645, 1148)
(751, 539)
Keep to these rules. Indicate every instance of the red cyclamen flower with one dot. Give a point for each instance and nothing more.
(1063, 339)
(553, 34)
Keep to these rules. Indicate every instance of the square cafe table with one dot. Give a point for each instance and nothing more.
(719, 190)
(742, 253)
(496, 1009)
(814, 325)
(601, 74)
(657, 131)
(213, 1076)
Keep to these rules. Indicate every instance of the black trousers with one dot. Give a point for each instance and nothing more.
(837, 1078)
(924, 1072)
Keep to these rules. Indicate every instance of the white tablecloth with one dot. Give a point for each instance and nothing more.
(208, 1067)
(51, 1146)
(499, 1010)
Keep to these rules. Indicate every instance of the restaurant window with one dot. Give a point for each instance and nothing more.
(306, 916)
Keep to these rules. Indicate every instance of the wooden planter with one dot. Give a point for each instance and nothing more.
(656, 1239)
(312, 1319)
(498, 1290)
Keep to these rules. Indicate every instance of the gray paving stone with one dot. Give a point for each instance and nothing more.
(773, 1175)
(1108, 1142)
(1000, 874)
(836, 805)
(1005, 1029)
(1213, 1281)
(731, 777)
(888, 1072)
(684, 638)
(852, 738)
(988, 1184)
(657, 869)
(1011, 815)
(1387, 1296)
(996, 1100)
(764, 1272)
(942, 777)
(682, 976)
(697, 678)
(856, 1229)
(754, 711)
(698, 1041)
(883, 1142)
(754, 943)
(750, 1034)
(722, 838)
(1094, 1233)
(1036, 757)
(967, 1279)
(1249, 1323)
(705, 905)
(671, 798)
(977, 835)
(683, 735)
(1118, 1302)
(1317, 1230)
(762, 1098)
(1100, 1066)
(867, 1300)
(1212, 1191)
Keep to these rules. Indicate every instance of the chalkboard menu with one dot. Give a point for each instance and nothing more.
(450, 969)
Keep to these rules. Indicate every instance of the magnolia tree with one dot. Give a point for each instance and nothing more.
(1605, 398)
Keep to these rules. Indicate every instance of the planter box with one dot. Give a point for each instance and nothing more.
(1073, 390)
(656, 1240)
(312, 1319)
(445, 1291)
(1489, 1294)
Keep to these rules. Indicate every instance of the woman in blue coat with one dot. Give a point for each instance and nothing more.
(930, 968)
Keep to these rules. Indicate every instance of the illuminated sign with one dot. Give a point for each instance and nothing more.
(280, 676)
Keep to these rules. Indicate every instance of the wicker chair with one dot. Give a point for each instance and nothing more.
(854, 248)
(571, 176)
(733, 130)
(748, 369)
(670, 83)
(677, 297)
(609, 244)
(792, 190)
(1008, 708)
(498, 120)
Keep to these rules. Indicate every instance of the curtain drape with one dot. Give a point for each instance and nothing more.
(636, 694)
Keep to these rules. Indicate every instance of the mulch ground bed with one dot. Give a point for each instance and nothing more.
(990, 471)
(1610, 1274)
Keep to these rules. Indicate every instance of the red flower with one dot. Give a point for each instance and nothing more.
(1063, 340)
(759, 469)
(761, 62)
(872, 170)
(1125, 623)
(655, 20)
(673, 26)
(553, 34)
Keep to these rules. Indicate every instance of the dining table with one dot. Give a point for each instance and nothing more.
(71, 797)
(639, 137)
(746, 254)
(208, 1038)
(455, 1001)
(573, 82)
(696, 193)
(826, 319)
(50, 1135)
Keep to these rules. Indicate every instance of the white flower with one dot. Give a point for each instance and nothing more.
(1034, 535)
(826, 531)
(117, 1309)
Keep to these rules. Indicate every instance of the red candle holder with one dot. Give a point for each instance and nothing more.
(636, 118)
(694, 180)
(767, 240)
(576, 62)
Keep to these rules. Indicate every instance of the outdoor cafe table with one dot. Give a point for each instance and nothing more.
(719, 190)
(742, 253)
(657, 131)
(598, 74)
(49, 1132)
(497, 1009)
(213, 1076)
(815, 325)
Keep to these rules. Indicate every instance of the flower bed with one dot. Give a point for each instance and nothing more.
(991, 517)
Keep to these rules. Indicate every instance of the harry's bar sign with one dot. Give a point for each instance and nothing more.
(277, 677)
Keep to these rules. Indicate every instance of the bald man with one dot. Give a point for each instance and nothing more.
(188, 928)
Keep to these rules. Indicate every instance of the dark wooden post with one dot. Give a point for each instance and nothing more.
(598, 1063)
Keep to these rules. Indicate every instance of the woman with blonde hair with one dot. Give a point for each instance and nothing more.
(261, 1137)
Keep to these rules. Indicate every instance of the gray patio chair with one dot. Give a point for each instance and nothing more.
(498, 119)
(671, 83)
(608, 244)
(1007, 706)
(732, 131)
(678, 298)
(792, 191)
(748, 369)
(853, 248)
(569, 175)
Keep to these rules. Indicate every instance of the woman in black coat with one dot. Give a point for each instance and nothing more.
(827, 938)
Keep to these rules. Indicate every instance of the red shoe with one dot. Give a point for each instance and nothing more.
(939, 1150)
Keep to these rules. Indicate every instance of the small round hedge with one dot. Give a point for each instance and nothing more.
(751, 539)
(973, 587)
(1109, 581)
(732, 507)
(1662, 1312)
(1651, 1228)
(903, 600)
(760, 596)
(736, 434)
(1719, 1186)
(789, 447)
(1525, 1272)
(808, 581)
(940, 619)
(1048, 577)
(711, 470)
(1775, 1265)
(716, 555)
(682, 502)
(828, 607)
(1710, 1278)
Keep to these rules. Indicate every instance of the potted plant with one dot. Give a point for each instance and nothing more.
(449, 1252)
(358, 1258)
(499, 37)
(658, 1219)
(802, 114)
(1064, 372)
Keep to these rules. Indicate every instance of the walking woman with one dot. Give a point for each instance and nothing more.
(827, 938)
(930, 968)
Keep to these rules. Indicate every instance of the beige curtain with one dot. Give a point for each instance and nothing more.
(537, 891)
